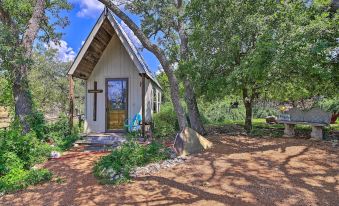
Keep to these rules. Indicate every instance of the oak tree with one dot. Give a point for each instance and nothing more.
(22, 23)
(259, 47)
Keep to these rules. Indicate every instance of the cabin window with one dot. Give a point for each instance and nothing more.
(159, 100)
(156, 100)
(152, 99)
(155, 103)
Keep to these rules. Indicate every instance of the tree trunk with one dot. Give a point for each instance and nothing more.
(248, 107)
(71, 102)
(174, 86)
(190, 99)
(175, 97)
(23, 100)
(21, 94)
(193, 110)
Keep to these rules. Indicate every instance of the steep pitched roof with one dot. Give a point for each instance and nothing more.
(95, 44)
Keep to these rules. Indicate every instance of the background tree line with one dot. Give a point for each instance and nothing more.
(280, 50)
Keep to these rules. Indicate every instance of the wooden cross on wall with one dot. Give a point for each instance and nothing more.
(95, 91)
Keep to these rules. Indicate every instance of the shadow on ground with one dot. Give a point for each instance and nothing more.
(238, 171)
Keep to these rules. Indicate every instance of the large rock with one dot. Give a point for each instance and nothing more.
(189, 142)
(271, 120)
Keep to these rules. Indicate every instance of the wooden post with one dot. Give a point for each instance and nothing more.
(71, 101)
(143, 94)
(79, 120)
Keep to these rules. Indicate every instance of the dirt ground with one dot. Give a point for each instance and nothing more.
(239, 170)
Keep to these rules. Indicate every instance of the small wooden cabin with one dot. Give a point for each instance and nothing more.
(119, 83)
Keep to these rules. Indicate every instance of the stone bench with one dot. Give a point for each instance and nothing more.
(315, 117)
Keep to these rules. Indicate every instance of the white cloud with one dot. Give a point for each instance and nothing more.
(82, 42)
(89, 8)
(64, 52)
(131, 35)
(159, 70)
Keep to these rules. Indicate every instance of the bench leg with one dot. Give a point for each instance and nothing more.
(317, 133)
(289, 130)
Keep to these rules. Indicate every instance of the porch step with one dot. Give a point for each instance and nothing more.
(98, 143)
(102, 139)
(95, 148)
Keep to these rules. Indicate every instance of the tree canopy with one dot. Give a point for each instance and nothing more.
(263, 44)
(280, 50)
(23, 23)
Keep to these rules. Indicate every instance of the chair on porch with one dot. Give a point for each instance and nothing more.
(134, 124)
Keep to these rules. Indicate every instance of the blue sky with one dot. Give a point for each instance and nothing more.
(82, 19)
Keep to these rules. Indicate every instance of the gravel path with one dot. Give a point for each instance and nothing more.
(238, 171)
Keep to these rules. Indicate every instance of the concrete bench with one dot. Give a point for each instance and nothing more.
(315, 117)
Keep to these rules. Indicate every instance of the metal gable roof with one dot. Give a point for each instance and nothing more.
(135, 51)
(136, 57)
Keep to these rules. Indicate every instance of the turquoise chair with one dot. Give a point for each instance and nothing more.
(134, 125)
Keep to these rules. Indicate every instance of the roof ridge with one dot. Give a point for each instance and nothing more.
(135, 50)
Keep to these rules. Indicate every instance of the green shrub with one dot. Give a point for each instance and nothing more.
(18, 154)
(165, 122)
(18, 179)
(125, 158)
(28, 148)
(36, 176)
(60, 134)
(9, 160)
(220, 110)
(38, 125)
(60, 127)
(262, 112)
(329, 104)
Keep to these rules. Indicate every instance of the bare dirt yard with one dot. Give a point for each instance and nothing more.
(239, 170)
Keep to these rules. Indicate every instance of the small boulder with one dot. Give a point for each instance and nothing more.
(271, 120)
(55, 154)
(189, 142)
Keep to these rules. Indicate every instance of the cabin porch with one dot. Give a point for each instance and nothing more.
(100, 141)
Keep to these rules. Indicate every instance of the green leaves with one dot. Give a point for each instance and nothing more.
(282, 48)
(125, 158)
(18, 179)
(48, 81)
(18, 14)
(20, 10)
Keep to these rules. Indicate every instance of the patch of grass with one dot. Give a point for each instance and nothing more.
(335, 126)
(59, 180)
(261, 132)
(261, 128)
(125, 158)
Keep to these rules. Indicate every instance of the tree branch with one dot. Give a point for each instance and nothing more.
(33, 26)
(137, 32)
(182, 32)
